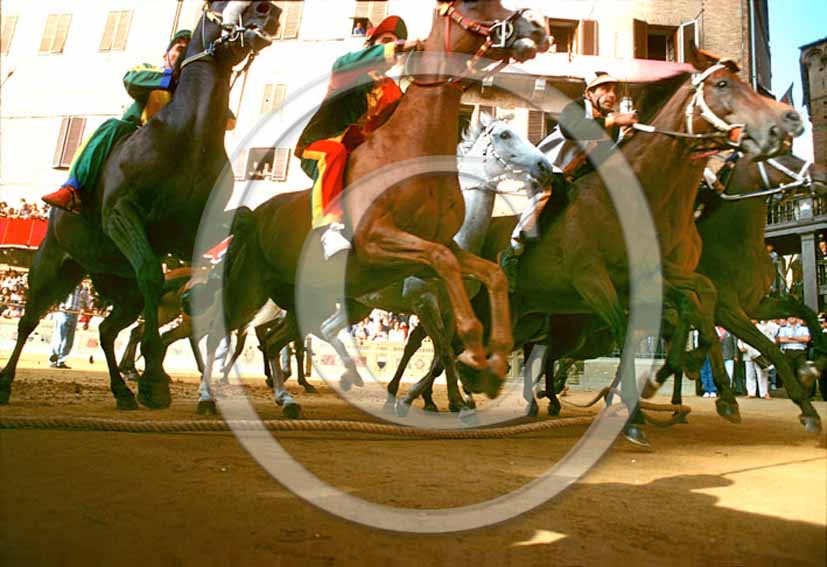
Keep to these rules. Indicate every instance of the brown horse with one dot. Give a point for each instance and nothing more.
(580, 263)
(406, 227)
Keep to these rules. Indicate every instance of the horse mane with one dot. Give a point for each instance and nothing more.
(469, 137)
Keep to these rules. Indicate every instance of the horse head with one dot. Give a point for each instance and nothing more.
(504, 153)
(723, 102)
(232, 30)
(486, 28)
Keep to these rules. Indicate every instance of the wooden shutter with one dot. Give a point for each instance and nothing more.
(536, 126)
(687, 39)
(73, 139)
(109, 31)
(62, 31)
(362, 9)
(641, 35)
(61, 142)
(588, 37)
(240, 165)
(489, 110)
(48, 34)
(273, 99)
(290, 20)
(9, 23)
(378, 12)
(281, 162)
(122, 31)
(267, 99)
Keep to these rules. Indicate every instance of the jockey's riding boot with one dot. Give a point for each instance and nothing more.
(333, 241)
(65, 198)
(509, 262)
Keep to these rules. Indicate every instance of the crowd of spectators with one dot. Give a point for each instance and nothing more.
(13, 296)
(24, 210)
(384, 326)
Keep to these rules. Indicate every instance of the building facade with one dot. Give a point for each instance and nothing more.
(814, 81)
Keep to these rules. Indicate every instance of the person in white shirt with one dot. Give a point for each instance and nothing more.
(793, 339)
(755, 374)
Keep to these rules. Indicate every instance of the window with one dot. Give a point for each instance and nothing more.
(273, 98)
(68, 140)
(116, 31)
(55, 32)
(290, 20)
(573, 36)
(264, 163)
(536, 126)
(664, 43)
(489, 110)
(369, 14)
(466, 112)
(9, 23)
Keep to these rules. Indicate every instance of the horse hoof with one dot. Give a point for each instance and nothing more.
(154, 395)
(492, 383)
(131, 375)
(268, 382)
(649, 390)
(541, 394)
(402, 408)
(811, 423)
(126, 403)
(224, 381)
(808, 374)
(390, 406)
(636, 436)
(680, 417)
(344, 384)
(728, 410)
(470, 403)
(206, 407)
(291, 410)
(431, 407)
(310, 389)
(454, 407)
(553, 410)
(533, 409)
(469, 417)
(351, 377)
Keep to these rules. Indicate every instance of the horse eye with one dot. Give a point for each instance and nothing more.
(722, 84)
(505, 135)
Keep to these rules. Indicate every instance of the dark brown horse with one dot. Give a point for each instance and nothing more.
(149, 200)
(406, 227)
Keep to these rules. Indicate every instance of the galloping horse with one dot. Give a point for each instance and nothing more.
(408, 229)
(148, 201)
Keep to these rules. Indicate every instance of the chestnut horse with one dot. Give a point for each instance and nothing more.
(406, 228)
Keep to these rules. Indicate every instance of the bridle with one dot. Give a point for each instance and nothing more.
(801, 178)
(509, 169)
(497, 34)
(731, 135)
(231, 33)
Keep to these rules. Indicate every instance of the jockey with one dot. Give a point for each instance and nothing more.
(151, 88)
(572, 142)
(351, 110)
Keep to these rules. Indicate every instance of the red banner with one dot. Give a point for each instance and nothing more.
(22, 233)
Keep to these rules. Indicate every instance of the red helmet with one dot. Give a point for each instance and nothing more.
(392, 24)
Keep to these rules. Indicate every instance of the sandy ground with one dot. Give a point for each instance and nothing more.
(711, 492)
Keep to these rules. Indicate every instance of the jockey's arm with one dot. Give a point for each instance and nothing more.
(574, 124)
(143, 79)
(380, 58)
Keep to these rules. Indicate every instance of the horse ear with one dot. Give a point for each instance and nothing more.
(699, 58)
(506, 117)
(485, 119)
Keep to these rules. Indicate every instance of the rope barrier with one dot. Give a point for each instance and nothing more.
(73, 423)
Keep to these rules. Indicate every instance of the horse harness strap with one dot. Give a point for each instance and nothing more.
(800, 179)
(503, 28)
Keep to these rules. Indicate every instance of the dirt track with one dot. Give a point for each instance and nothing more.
(748, 494)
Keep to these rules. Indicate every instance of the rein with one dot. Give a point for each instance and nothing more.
(800, 179)
(496, 34)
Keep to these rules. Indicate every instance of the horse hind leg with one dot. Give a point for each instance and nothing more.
(412, 345)
(272, 351)
(51, 278)
(299, 354)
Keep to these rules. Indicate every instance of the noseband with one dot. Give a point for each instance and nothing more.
(231, 33)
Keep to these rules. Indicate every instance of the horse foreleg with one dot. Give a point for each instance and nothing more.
(130, 354)
(276, 339)
(50, 279)
(299, 353)
(415, 339)
(125, 227)
(739, 324)
(329, 330)
(206, 402)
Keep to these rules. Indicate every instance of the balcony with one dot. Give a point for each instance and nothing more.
(796, 213)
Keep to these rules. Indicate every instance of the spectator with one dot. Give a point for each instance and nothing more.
(793, 339)
(822, 380)
(66, 321)
(710, 391)
(359, 29)
(757, 382)
(729, 350)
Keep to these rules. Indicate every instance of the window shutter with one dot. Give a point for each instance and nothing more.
(267, 99)
(240, 165)
(274, 96)
(292, 20)
(109, 31)
(9, 23)
(281, 162)
(122, 31)
(588, 37)
(536, 126)
(687, 38)
(48, 34)
(378, 11)
(73, 139)
(489, 110)
(362, 9)
(61, 33)
(61, 142)
(641, 33)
